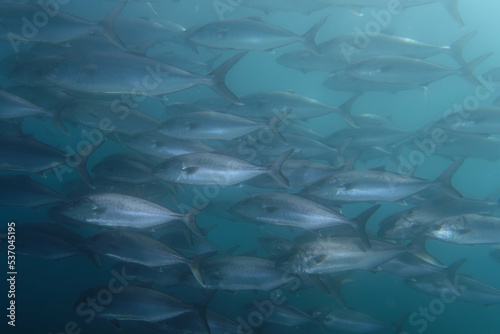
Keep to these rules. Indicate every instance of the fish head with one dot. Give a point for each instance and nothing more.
(176, 169)
(447, 228)
(249, 207)
(170, 170)
(292, 262)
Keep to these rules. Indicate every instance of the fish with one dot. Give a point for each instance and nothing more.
(457, 145)
(208, 168)
(409, 266)
(212, 125)
(161, 146)
(374, 185)
(291, 210)
(365, 136)
(58, 29)
(345, 47)
(118, 210)
(409, 223)
(271, 104)
(134, 247)
(21, 190)
(299, 173)
(116, 168)
(248, 34)
(141, 304)
(352, 321)
(300, 6)
(188, 63)
(12, 106)
(338, 253)
(482, 121)
(51, 241)
(408, 71)
(343, 82)
(235, 273)
(137, 31)
(450, 5)
(303, 147)
(470, 289)
(28, 155)
(276, 246)
(108, 116)
(124, 73)
(285, 314)
(172, 277)
(307, 61)
(466, 229)
(15, 107)
(217, 323)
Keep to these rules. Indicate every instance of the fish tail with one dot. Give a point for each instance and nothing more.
(467, 69)
(194, 265)
(444, 179)
(310, 36)
(399, 322)
(451, 274)
(200, 310)
(94, 259)
(417, 248)
(190, 221)
(55, 116)
(82, 157)
(360, 224)
(275, 169)
(345, 110)
(107, 26)
(452, 7)
(218, 76)
(457, 47)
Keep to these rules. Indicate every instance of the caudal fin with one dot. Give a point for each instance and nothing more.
(452, 7)
(190, 221)
(218, 76)
(107, 26)
(201, 310)
(359, 224)
(451, 275)
(467, 69)
(445, 179)
(194, 265)
(275, 169)
(81, 158)
(310, 35)
(345, 110)
(457, 48)
(417, 248)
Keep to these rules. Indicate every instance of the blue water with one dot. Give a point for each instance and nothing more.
(46, 291)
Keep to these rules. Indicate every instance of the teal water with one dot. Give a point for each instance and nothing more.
(46, 291)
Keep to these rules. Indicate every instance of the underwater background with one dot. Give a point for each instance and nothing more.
(47, 291)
